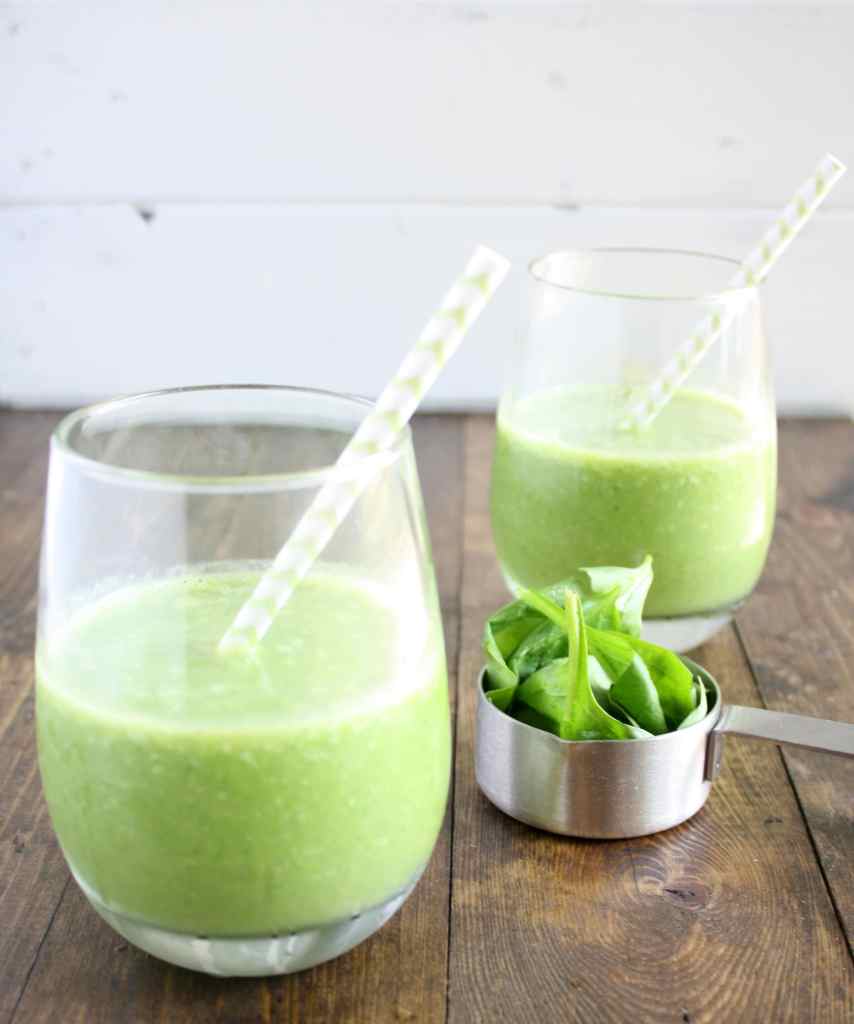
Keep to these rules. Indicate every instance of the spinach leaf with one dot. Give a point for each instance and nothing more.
(559, 697)
(672, 678)
(583, 717)
(701, 708)
(543, 645)
(545, 693)
(560, 691)
(542, 698)
(600, 684)
(502, 698)
(635, 664)
(632, 687)
(523, 636)
(569, 659)
(503, 633)
(612, 597)
(549, 607)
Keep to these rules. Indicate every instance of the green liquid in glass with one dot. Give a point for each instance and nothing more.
(226, 795)
(696, 490)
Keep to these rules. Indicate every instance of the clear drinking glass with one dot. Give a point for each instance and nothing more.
(229, 813)
(695, 489)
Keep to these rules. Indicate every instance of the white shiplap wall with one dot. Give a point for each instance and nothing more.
(312, 174)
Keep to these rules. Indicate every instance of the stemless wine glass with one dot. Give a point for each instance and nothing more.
(239, 814)
(572, 487)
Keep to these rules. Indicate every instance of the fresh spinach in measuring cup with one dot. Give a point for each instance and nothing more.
(569, 659)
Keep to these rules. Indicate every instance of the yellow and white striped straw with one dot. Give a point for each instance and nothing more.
(439, 340)
(754, 269)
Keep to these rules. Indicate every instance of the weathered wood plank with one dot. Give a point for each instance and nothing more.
(32, 872)
(86, 972)
(24, 438)
(797, 630)
(723, 918)
(726, 917)
(24, 441)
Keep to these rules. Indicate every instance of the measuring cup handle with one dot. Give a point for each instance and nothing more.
(778, 727)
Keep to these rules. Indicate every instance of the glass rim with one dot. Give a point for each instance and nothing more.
(286, 480)
(537, 274)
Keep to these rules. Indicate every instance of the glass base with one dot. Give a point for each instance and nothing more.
(252, 957)
(685, 632)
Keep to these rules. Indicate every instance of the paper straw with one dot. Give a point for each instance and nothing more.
(380, 429)
(754, 269)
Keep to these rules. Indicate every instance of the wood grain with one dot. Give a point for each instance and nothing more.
(32, 872)
(797, 630)
(24, 441)
(723, 918)
(85, 972)
(726, 918)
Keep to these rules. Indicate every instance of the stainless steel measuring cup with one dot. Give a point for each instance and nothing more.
(615, 789)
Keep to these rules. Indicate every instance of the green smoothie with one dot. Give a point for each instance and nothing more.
(696, 490)
(233, 796)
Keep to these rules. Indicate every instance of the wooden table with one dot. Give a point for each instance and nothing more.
(745, 913)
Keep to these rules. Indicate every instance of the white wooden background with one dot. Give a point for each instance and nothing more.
(271, 191)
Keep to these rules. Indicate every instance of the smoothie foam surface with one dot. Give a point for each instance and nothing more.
(694, 423)
(147, 652)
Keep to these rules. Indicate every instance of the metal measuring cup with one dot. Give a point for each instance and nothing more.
(616, 789)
